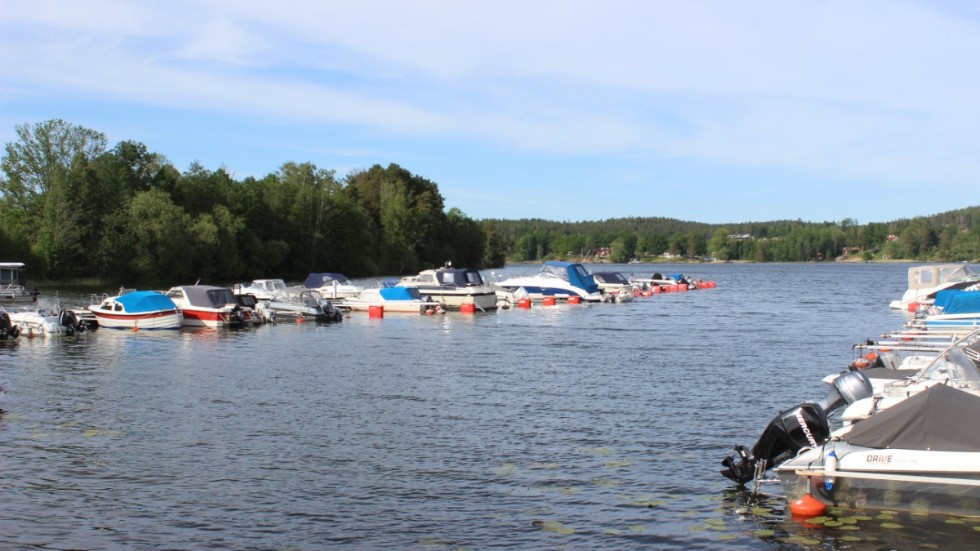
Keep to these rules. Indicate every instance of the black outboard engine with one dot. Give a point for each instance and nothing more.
(7, 328)
(70, 322)
(803, 426)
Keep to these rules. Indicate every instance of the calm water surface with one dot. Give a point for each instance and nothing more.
(567, 427)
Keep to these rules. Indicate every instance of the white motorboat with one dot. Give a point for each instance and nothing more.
(46, 322)
(922, 456)
(557, 279)
(11, 289)
(908, 447)
(298, 301)
(332, 286)
(453, 287)
(658, 279)
(405, 300)
(137, 310)
(614, 285)
(262, 289)
(925, 281)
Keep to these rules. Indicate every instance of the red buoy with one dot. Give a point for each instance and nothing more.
(376, 311)
(807, 506)
(574, 299)
(548, 301)
(524, 303)
(467, 308)
(656, 289)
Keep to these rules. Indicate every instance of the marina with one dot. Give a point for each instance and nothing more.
(574, 426)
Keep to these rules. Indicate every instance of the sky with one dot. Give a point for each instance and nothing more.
(568, 110)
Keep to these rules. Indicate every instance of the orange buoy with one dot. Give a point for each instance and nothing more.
(807, 506)
(575, 299)
(871, 356)
(861, 363)
(548, 301)
(376, 311)
(468, 308)
(300, 319)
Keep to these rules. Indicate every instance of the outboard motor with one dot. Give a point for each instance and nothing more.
(7, 328)
(803, 426)
(70, 322)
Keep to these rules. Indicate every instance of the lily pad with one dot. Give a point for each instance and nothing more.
(892, 525)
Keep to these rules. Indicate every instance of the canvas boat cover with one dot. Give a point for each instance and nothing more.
(207, 296)
(958, 302)
(319, 279)
(400, 293)
(941, 418)
(145, 301)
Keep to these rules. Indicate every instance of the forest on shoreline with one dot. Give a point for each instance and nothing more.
(73, 208)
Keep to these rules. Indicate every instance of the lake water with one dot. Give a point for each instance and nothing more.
(566, 427)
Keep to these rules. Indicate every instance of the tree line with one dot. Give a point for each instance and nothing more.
(74, 208)
(947, 237)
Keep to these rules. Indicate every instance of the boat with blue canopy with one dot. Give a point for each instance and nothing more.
(137, 310)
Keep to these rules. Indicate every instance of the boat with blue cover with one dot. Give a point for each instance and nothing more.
(392, 299)
(137, 310)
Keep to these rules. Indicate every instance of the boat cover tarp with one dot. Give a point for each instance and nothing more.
(958, 302)
(145, 301)
(319, 279)
(941, 418)
(400, 293)
(208, 296)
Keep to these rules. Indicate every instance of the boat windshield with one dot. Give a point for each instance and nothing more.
(954, 366)
(221, 297)
(553, 271)
(957, 273)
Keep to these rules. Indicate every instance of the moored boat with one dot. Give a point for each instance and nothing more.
(614, 285)
(916, 456)
(925, 281)
(46, 322)
(137, 310)
(404, 300)
(558, 279)
(332, 286)
(298, 301)
(453, 287)
(207, 306)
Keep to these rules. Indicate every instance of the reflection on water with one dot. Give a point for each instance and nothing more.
(579, 427)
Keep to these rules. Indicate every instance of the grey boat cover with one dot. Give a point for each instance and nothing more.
(941, 418)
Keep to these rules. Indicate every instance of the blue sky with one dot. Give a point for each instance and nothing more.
(709, 111)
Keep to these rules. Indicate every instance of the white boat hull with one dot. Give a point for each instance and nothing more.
(153, 320)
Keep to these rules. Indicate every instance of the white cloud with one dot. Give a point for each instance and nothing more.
(880, 90)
